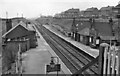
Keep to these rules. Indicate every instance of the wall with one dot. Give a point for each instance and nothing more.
(10, 52)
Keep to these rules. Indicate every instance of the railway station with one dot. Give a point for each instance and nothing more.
(74, 42)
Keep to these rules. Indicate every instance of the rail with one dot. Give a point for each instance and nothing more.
(55, 40)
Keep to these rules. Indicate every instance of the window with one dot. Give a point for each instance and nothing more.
(81, 38)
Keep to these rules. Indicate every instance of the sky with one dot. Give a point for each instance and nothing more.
(35, 8)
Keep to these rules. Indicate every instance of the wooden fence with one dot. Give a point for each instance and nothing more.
(10, 51)
(109, 60)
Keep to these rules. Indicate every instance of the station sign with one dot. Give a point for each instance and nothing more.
(53, 68)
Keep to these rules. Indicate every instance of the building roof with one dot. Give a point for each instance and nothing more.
(107, 8)
(91, 9)
(108, 37)
(85, 31)
(118, 6)
(28, 28)
(102, 28)
(72, 10)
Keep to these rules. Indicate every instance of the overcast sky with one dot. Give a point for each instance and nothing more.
(33, 8)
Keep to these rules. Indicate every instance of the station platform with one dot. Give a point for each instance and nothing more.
(36, 59)
(87, 49)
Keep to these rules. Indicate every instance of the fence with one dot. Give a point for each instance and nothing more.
(10, 52)
(109, 60)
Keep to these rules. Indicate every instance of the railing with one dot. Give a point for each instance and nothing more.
(79, 72)
(108, 61)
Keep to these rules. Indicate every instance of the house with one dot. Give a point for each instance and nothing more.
(91, 12)
(70, 13)
(108, 11)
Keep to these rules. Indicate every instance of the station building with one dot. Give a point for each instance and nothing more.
(92, 33)
(21, 31)
(20, 37)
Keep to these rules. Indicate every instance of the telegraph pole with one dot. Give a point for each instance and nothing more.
(6, 14)
(22, 15)
(17, 14)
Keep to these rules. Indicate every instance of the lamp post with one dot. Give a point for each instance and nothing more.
(73, 28)
(76, 30)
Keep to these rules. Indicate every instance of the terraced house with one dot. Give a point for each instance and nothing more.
(91, 12)
(108, 11)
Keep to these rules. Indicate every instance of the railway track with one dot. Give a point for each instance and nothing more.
(73, 57)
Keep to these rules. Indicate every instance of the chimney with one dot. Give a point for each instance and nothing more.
(92, 23)
(73, 25)
(111, 25)
(8, 24)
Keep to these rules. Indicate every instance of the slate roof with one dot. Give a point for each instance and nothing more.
(118, 6)
(27, 27)
(72, 10)
(106, 8)
(85, 31)
(102, 28)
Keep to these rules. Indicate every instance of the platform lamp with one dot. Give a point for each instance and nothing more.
(73, 28)
(52, 64)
